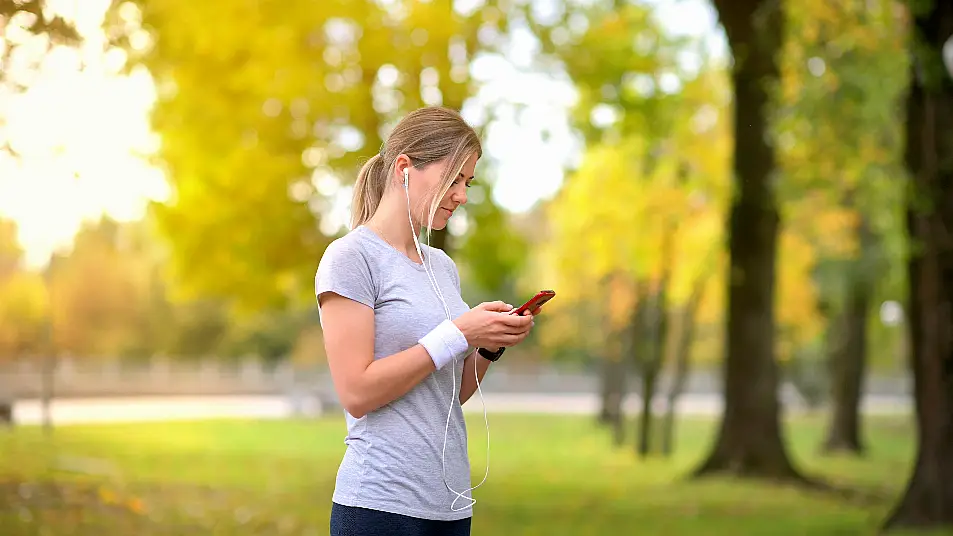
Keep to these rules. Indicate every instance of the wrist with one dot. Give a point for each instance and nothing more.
(461, 329)
(491, 355)
(445, 344)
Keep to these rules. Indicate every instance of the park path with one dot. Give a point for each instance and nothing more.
(145, 409)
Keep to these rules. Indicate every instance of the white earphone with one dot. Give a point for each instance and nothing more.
(453, 393)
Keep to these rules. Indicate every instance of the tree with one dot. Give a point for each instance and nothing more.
(686, 322)
(617, 227)
(267, 115)
(23, 21)
(640, 112)
(749, 441)
(839, 148)
(928, 498)
(11, 252)
(31, 18)
(23, 308)
(23, 301)
(96, 293)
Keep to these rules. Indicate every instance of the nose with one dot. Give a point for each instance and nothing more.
(459, 196)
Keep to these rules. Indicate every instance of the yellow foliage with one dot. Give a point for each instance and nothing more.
(608, 229)
(24, 306)
(796, 311)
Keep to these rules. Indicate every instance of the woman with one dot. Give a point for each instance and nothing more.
(399, 337)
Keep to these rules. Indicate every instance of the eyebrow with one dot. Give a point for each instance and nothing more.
(465, 177)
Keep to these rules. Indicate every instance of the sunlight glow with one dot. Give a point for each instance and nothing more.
(82, 128)
(81, 132)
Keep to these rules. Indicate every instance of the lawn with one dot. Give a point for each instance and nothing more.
(549, 476)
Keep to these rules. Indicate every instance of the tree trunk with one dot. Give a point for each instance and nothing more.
(682, 365)
(613, 350)
(650, 372)
(655, 335)
(613, 394)
(48, 375)
(749, 440)
(637, 347)
(928, 499)
(848, 361)
(6, 410)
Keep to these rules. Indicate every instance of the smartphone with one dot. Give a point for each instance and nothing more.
(539, 299)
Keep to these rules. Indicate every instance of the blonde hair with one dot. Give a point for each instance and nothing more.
(425, 136)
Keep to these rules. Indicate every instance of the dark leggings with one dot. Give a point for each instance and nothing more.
(353, 521)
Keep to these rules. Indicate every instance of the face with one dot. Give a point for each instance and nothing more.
(424, 183)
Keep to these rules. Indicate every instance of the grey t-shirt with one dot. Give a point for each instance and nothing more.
(393, 457)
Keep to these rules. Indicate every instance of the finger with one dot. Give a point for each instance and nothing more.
(497, 306)
(517, 332)
(516, 321)
(537, 310)
(520, 338)
(510, 340)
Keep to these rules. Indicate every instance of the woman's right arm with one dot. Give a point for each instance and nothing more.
(364, 384)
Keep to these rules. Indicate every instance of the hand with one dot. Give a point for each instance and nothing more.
(534, 312)
(489, 326)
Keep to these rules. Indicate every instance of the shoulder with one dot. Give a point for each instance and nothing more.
(345, 269)
(348, 253)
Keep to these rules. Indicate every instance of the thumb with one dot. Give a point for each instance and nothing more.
(497, 306)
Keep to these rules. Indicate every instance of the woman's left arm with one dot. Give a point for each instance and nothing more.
(468, 385)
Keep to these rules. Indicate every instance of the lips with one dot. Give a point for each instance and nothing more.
(449, 212)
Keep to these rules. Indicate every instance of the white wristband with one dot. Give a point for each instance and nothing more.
(445, 344)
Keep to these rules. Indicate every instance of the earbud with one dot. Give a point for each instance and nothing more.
(406, 177)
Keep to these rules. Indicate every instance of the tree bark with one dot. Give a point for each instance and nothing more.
(650, 358)
(848, 360)
(682, 365)
(639, 350)
(6, 410)
(48, 375)
(613, 394)
(613, 346)
(655, 336)
(928, 499)
(749, 441)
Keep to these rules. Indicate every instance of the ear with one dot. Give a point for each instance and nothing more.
(400, 165)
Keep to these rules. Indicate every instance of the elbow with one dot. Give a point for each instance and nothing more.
(355, 404)
(355, 411)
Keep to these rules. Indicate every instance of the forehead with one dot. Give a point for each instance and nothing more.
(470, 165)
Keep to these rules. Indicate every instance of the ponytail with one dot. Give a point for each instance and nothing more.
(368, 191)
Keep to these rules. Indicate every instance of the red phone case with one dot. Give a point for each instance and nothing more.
(539, 299)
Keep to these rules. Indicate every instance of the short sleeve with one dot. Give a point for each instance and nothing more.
(344, 270)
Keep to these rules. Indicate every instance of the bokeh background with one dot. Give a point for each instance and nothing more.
(731, 199)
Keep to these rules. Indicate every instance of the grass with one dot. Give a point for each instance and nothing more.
(549, 476)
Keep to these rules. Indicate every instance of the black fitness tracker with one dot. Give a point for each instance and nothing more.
(491, 356)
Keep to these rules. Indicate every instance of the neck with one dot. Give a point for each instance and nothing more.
(391, 223)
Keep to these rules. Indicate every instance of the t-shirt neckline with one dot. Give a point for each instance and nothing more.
(380, 240)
